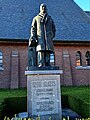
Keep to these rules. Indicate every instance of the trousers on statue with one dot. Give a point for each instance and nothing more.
(43, 58)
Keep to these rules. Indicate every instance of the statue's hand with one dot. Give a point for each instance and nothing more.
(32, 42)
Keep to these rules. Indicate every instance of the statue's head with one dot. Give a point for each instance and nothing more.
(43, 8)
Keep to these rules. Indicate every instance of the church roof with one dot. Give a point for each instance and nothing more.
(72, 23)
(88, 12)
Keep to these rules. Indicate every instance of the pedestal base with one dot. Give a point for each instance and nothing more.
(36, 68)
(44, 95)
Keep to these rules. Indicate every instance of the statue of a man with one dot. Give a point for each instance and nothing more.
(42, 34)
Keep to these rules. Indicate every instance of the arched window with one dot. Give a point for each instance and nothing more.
(78, 59)
(88, 58)
(52, 59)
(1, 60)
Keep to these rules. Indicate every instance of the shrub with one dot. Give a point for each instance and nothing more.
(79, 106)
(13, 105)
(64, 101)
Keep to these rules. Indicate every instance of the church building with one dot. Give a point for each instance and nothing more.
(71, 43)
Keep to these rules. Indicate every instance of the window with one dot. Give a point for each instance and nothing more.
(78, 59)
(1, 60)
(88, 58)
(52, 60)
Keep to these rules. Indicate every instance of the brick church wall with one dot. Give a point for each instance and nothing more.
(15, 58)
(13, 77)
(5, 74)
(79, 76)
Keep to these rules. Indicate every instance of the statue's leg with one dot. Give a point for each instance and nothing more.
(40, 58)
(30, 50)
(47, 58)
(31, 57)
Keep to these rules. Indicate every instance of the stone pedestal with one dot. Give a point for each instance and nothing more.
(44, 95)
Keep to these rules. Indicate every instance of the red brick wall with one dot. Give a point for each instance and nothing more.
(71, 76)
(23, 61)
(79, 76)
(6, 74)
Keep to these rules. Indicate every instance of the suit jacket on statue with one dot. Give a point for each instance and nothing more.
(43, 30)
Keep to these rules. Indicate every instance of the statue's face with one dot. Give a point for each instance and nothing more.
(43, 8)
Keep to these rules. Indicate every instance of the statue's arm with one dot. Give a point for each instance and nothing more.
(53, 28)
(34, 28)
(32, 40)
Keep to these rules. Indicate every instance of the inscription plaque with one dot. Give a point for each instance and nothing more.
(44, 97)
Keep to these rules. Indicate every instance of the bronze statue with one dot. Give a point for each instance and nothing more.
(42, 34)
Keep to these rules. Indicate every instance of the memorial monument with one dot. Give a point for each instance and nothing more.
(43, 79)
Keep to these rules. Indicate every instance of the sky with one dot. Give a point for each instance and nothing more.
(84, 4)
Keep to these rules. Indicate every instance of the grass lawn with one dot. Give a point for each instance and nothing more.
(5, 93)
(82, 93)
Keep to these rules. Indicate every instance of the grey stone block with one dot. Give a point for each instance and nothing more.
(44, 95)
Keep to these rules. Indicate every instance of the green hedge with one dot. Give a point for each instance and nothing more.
(64, 101)
(79, 106)
(13, 105)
